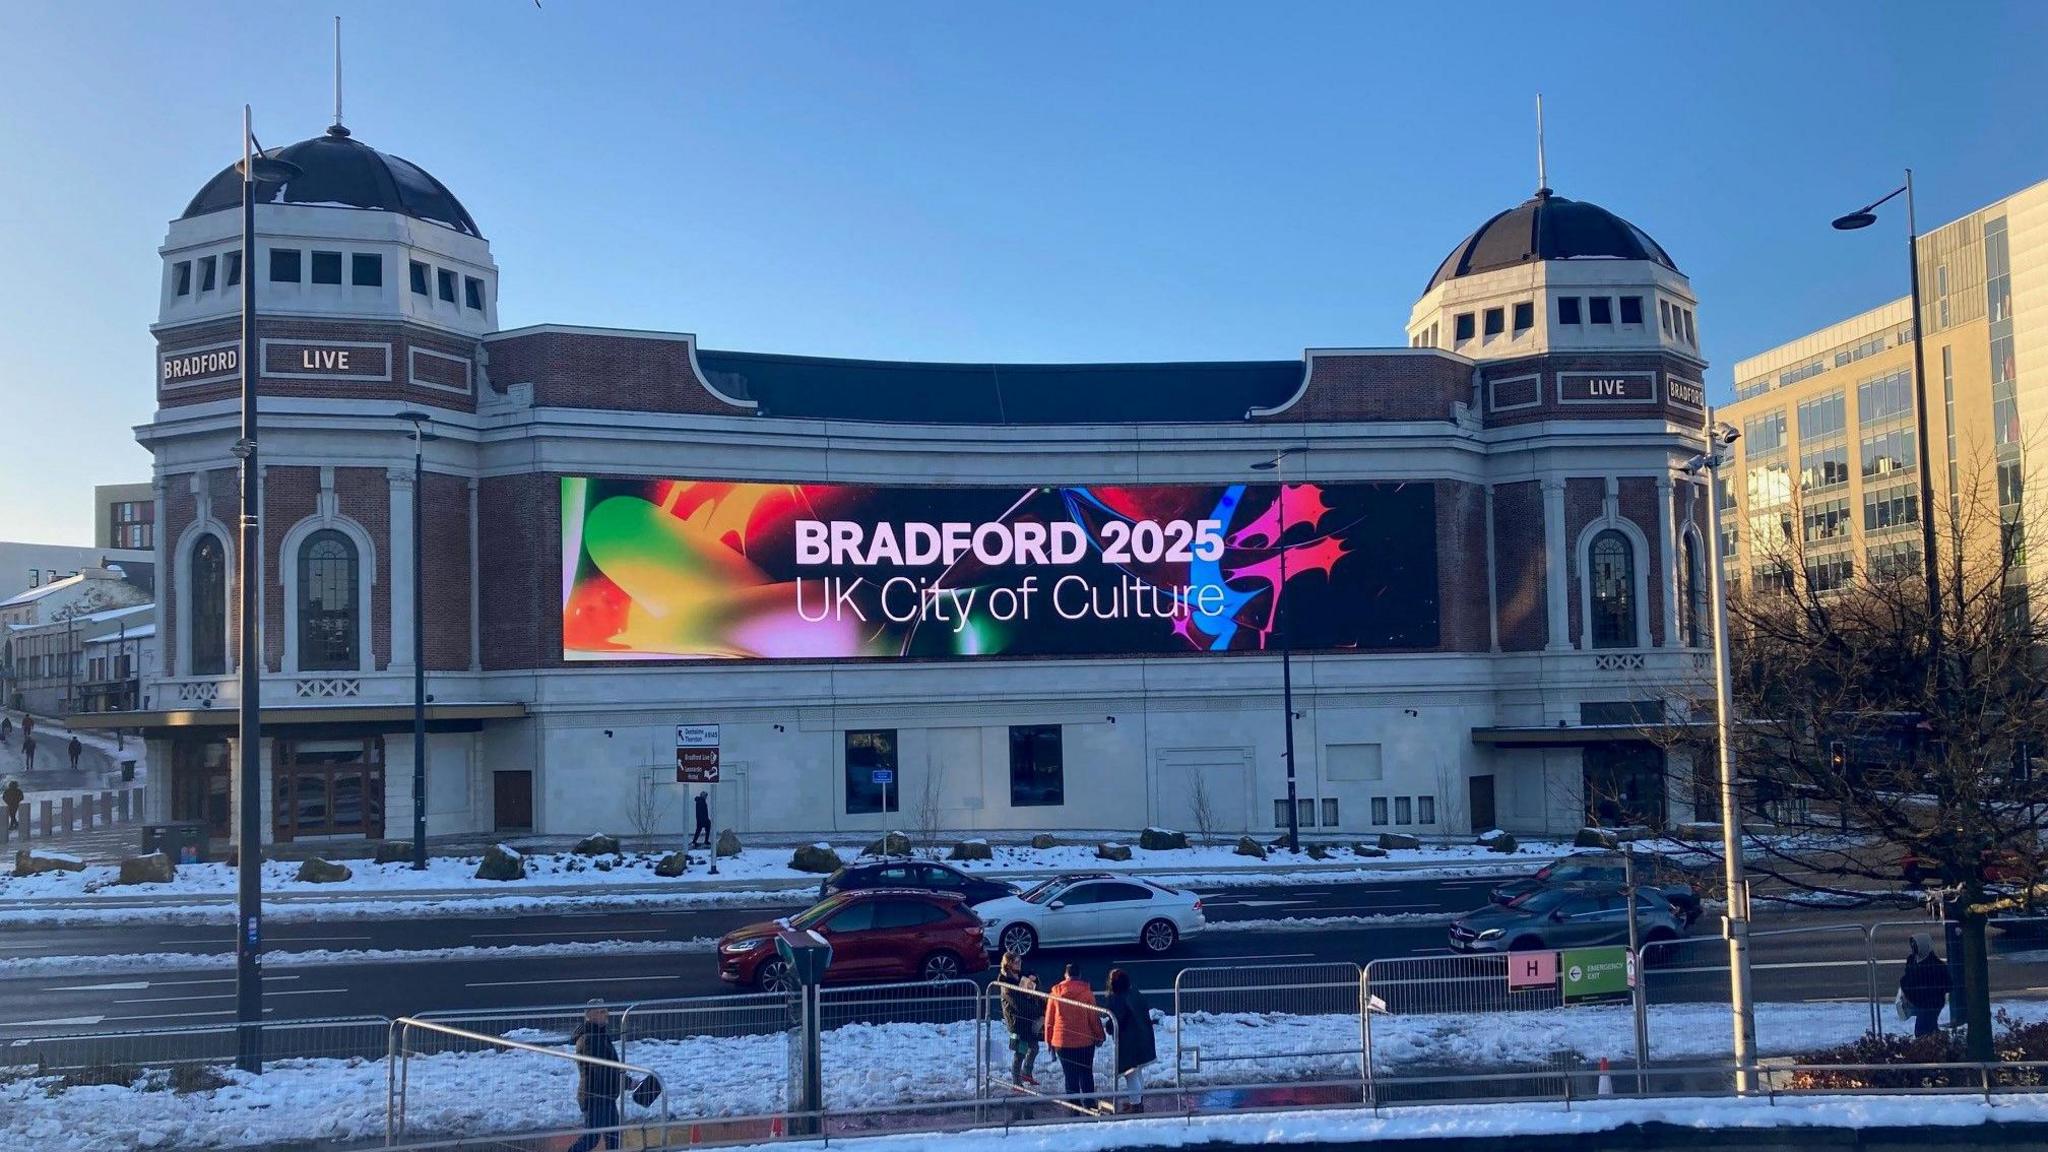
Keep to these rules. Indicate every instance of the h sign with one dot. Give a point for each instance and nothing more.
(1528, 970)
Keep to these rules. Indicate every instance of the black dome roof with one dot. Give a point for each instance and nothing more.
(1549, 227)
(337, 169)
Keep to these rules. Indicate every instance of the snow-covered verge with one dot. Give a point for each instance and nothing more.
(867, 1066)
(1464, 1121)
(450, 876)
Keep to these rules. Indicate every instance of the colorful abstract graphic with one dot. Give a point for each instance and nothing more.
(698, 569)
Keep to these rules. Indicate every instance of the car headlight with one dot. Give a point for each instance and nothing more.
(1489, 934)
(739, 946)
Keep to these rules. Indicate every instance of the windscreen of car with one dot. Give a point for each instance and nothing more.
(810, 917)
(1540, 900)
(1044, 891)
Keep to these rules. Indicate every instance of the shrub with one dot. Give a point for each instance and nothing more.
(2012, 1042)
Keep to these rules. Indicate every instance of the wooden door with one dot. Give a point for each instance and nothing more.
(512, 801)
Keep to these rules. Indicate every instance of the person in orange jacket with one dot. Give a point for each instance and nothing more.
(1073, 1030)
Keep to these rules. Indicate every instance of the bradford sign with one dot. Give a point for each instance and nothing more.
(704, 569)
(1607, 387)
(189, 366)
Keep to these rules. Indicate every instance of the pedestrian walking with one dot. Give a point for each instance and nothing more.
(1924, 987)
(12, 798)
(1130, 1017)
(597, 1087)
(28, 749)
(74, 748)
(6, 729)
(28, 725)
(703, 820)
(1073, 1029)
(1024, 1016)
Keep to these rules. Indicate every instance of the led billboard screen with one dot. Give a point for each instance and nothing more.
(698, 569)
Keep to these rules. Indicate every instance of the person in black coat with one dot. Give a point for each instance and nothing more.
(1131, 1019)
(1024, 1016)
(597, 1087)
(1925, 984)
(703, 829)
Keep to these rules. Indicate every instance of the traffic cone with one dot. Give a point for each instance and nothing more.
(775, 1127)
(1606, 1081)
(696, 1134)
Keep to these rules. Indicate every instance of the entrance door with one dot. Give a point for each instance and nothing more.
(200, 783)
(328, 788)
(512, 801)
(1481, 797)
(1625, 784)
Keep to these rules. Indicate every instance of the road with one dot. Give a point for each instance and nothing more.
(1817, 965)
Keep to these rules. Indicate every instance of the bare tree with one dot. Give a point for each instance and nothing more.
(1883, 750)
(1202, 808)
(928, 815)
(647, 809)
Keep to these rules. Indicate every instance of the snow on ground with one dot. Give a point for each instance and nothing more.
(867, 1066)
(1461, 1121)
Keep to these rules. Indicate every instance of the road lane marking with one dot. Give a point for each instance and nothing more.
(576, 980)
(317, 939)
(132, 986)
(1247, 956)
(189, 999)
(309, 992)
(564, 935)
(66, 1022)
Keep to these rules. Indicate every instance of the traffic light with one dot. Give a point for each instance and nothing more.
(1838, 756)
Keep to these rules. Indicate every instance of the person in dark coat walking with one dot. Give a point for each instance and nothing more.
(12, 798)
(74, 748)
(1925, 984)
(28, 750)
(1024, 1016)
(703, 820)
(597, 1088)
(6, 729)
(1130, 1019)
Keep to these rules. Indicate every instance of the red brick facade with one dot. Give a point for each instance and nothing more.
(597, 370)
(1511, 396)
(518, 580)
(444, 503)
(394, 342)
(1461, 568)
(1519, 566)
(1385, 386)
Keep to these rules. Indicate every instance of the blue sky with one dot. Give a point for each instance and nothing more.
(1054, 181)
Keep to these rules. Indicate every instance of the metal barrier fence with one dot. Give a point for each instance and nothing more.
(872, 1033)
(1421, 1008)
(115, 1054)
(996, 1038)
(1306, 1016)
(444, 1078)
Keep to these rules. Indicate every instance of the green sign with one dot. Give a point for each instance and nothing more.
(1595, 973)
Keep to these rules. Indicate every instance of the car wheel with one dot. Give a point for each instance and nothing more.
(1018, 940)
(1159, 937)
(775, 976)
(940, 966)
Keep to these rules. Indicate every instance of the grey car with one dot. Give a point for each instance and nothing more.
(1564, 917)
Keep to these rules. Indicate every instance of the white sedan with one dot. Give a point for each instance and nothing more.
(1091, 909)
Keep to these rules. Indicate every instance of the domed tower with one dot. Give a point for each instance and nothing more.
(1552, 275)
(372, 281)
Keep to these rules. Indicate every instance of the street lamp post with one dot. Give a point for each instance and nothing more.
(1719, 437)
(255, 168)
(1863, 218)
(1280, 623)
(420, 436)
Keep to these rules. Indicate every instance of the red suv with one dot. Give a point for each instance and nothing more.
(877, 934)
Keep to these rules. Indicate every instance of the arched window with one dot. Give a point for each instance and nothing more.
(328, 611)
(206, 585)
(1614, 591)
(1695, 594)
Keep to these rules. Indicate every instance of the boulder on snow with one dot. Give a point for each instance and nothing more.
(155, 868)
(728, 843)
(36, 861)
(1503, 843)
(818, 859)
(1488, 836)
(317, 871)
(672, 865)
(1633, 832)
(1698, 832)
(1595, 838)
(1317, 851)
(1045, 840)
(597, 844)
(891, 844)
(1393, 840)
(971, 850)
(1111, 851)
(501, 863)
(392, 852)
(1161, 839)
(1246, 846)
(1367, 850)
